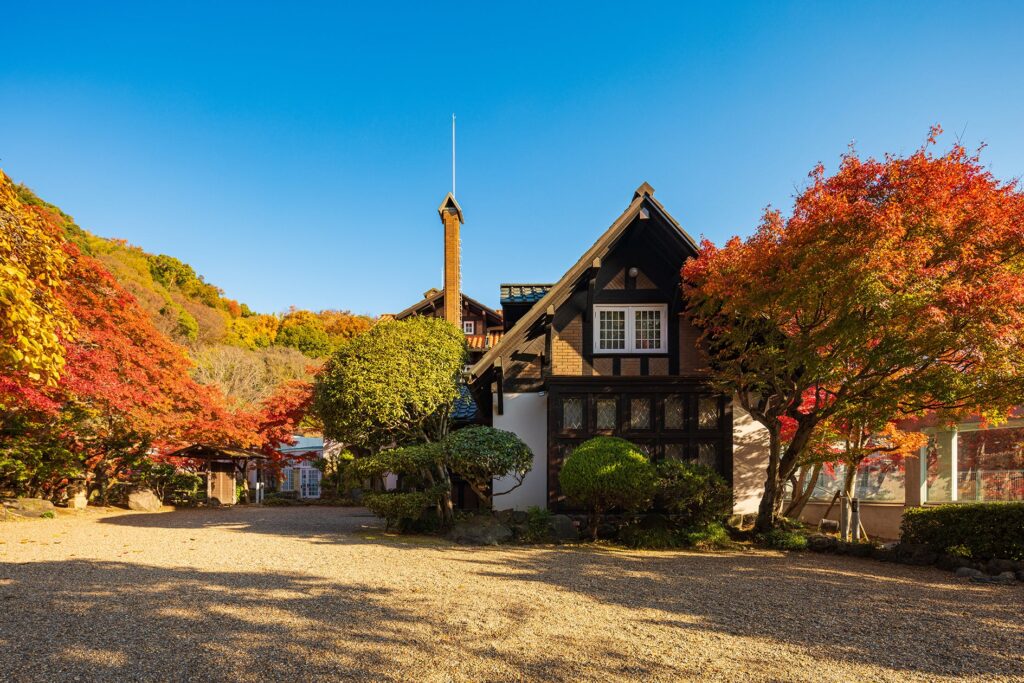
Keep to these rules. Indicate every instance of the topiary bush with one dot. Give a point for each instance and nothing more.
(693, 495)
(981, 531)
(479, 454)
(605, 473)
(401, 510)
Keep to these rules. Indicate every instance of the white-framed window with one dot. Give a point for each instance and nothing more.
(630, 329)
(469, 326)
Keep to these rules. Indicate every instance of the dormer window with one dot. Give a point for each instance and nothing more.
(469, 326)
(630, 329)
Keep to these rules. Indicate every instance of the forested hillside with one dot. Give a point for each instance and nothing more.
(245, 354)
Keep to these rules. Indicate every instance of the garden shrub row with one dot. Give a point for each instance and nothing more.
(980, 531)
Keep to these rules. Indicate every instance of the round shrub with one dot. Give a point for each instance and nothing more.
(479, 454)
(693, 495)
(605, 473)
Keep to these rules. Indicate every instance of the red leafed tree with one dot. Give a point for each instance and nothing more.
(894, 287)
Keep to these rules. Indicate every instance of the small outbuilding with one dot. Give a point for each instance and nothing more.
(223, 464)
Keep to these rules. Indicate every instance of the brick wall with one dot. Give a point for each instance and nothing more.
(567, 349)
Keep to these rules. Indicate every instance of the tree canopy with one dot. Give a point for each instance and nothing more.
(894, 287)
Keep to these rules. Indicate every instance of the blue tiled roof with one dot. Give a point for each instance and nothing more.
(464, 409)
(523, 294)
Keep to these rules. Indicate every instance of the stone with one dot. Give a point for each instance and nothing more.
(564, 528)
(952, 562)
(520, 517)
(829, 525)
(79, 501)
(916, 554)
(968, 573)
(858, 549)
(480, 530)
(31, 507)
(1007, 577)
(1020, 575)
(995, 566)
(144, 500)
(821, 543)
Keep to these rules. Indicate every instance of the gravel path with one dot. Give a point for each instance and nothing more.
(294, 594)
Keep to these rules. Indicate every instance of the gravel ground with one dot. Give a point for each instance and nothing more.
(295, 594)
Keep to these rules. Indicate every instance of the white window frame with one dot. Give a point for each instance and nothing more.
(630, 311)
(469, 327)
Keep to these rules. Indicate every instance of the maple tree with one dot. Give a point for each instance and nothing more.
(894, 287)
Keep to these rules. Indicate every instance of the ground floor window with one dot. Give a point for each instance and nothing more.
(975, 465)
(305, 481)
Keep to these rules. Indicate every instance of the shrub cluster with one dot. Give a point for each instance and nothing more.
(981, 531)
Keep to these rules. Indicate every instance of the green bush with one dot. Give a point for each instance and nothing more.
(982, 531)
(653, 532)
(400, 510)
(538, 525)
(694, 495)
(605, 473)
(782, 539)
(479, 454)
(712, 537)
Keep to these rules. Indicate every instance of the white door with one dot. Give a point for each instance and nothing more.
(309, 483)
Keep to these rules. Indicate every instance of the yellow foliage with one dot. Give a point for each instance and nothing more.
(32, 318)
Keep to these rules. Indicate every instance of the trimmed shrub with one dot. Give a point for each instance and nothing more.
(694, 495)
(712, 537)
(781, 539)
(479, 454)
(538, 525)
(653, 532)
(981, 531)
(401, 510)
(605, 473)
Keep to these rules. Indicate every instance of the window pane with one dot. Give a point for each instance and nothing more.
(707, 454)
(606, 413)
(675, 412)
(990, 464)
(707, 413)
(940, 468)
(647, 330)
(675, 451)
(639, 414)
(611, 330)
(572, 414)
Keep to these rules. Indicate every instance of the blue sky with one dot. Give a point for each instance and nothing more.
(297, 156)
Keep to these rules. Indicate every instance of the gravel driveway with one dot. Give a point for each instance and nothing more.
(294, 594)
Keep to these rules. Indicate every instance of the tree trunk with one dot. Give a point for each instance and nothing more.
(766, 509)
(796, 508)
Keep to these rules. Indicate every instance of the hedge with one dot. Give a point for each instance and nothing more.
(981, 530)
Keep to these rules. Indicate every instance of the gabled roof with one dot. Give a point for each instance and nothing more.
(560, 291)
(523, 294)
(449, 200)
(433, 296)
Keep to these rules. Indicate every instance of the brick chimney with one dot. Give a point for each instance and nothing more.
(451, 217)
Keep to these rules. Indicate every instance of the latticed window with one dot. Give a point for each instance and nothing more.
(708, 413)
(675, 451)
(639, 414)
(572, 414)
(607, 417)
(611, 329)
(675, 412)
(647, 329)
(707, 454)
(630, 329)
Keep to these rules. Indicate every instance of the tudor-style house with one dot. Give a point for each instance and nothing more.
(607, 350)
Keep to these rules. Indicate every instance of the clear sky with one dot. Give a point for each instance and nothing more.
(297, 154)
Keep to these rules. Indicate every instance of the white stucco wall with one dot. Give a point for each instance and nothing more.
(526, 416)
(749, 460)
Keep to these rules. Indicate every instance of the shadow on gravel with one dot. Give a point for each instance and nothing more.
(118, 621)
(903, 619)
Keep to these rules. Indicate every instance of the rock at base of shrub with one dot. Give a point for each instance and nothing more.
(1004, 579)
(1020, 575)
(822, 543)
(996, 566)
(144, 500)
(886, 552)
(480, 530)
(968, 573)
(916, 554)
(30, 507)
(564, 528)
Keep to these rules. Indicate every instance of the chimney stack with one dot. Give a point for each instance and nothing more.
(451, 217)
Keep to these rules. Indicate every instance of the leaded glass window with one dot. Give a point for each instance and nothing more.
(572, 414)
(707, 454)
(675, 451)
(675, 412)
(708, 413)
(647, 329)
(607, 409)
(639, 414)
(611, 329)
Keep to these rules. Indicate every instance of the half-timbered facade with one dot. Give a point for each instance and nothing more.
(607, 350)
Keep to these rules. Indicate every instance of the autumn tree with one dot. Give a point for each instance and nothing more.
(894, 287)
(32, 317)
